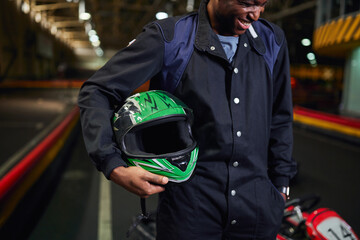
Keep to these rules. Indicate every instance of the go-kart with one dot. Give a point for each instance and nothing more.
(298, 223)
(320, 224)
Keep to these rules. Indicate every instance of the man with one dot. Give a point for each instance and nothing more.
(233, 71)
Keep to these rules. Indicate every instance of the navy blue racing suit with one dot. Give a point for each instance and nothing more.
(243, 123)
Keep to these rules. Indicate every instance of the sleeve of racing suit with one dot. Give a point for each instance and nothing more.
(108, 87)
(282, 166)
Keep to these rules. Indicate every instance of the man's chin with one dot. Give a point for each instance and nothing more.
(238, 32)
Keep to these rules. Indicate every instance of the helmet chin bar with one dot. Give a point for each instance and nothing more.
(180, 162)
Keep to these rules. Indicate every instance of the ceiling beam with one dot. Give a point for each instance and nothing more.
(54, 18)
(47, 1)
(80, 43)
(77, 35)
(54, 6)
(64, 24)
(125, 6)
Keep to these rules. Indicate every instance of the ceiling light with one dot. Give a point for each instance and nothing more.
(161, 15)
(25, 7)
(88, 27)
(306, 42)
(84, 16)
(313, 63)
(99, 52)
(38, 17)
(92, 32)
(310, 56)
(94, 38)
(53, 30)
(96, 44)
(312, 59)
(190, 5)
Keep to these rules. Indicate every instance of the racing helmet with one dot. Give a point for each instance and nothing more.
(153, 131)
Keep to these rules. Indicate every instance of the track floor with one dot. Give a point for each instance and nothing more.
(327, 167)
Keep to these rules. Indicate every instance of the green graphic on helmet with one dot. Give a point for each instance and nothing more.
(153, 131)
(166, 168)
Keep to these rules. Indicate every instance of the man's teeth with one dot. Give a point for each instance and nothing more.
(245, 23)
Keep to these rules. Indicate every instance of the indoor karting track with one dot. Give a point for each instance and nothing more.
(328, 166)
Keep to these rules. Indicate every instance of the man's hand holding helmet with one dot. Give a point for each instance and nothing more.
(138, 181)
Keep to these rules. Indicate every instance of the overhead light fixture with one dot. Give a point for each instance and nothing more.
(25, 7)
(310, 56)
(53, 30)
(190, 5)
(88, 27)
(37, 17)
(312, 59)
(96, 44)
(306, 42)
(161, 15)
(58, 33)
(99, 52)
(84, 16)
(94, 38)
(313, 63)
(92, 32)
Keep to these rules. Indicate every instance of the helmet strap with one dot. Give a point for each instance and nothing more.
(143, 217)
(143, 207)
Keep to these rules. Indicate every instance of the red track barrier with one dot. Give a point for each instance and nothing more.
(346, 121)
(30, 160)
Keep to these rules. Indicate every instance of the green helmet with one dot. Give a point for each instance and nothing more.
(153, 131)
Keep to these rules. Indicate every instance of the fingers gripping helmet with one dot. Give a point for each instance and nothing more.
(153, 130)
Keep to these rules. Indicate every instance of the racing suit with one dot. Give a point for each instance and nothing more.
(243, 124)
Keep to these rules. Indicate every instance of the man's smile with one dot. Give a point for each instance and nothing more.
(244, 24)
